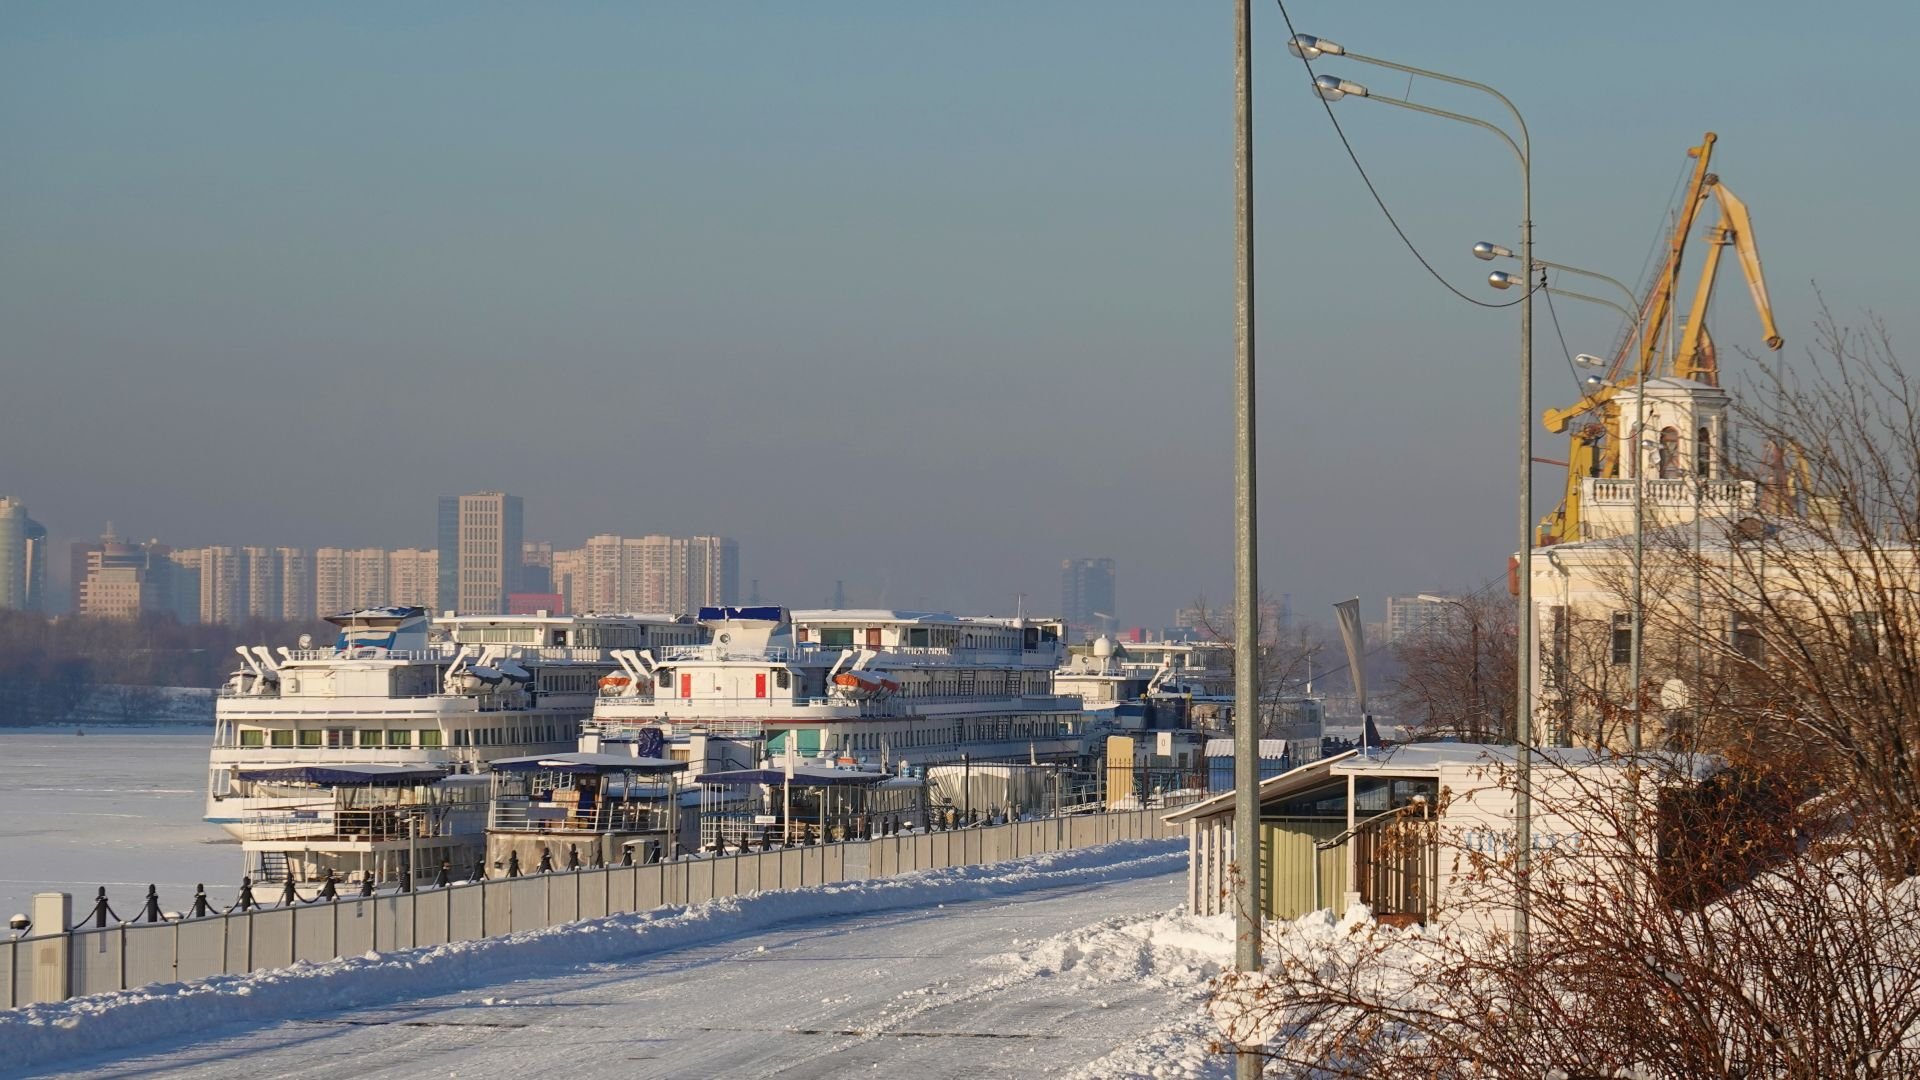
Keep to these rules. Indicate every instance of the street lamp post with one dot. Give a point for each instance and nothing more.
(1333, 89)
(1500, 280)
(1246, 587)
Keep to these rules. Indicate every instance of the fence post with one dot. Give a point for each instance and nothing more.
(52, 946)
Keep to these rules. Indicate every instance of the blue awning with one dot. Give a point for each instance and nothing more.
(339, 775)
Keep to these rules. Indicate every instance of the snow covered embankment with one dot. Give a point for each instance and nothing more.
(42, 1034)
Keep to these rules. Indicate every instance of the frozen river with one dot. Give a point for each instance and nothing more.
(119, 808)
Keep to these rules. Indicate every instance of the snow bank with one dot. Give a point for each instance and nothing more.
(64, 1031)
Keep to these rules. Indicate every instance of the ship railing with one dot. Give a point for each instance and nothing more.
(543, 816)
(367, 652)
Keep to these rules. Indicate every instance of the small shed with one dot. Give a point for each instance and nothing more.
(1371, 827)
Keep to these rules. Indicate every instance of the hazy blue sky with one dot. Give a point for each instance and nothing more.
(923, 296)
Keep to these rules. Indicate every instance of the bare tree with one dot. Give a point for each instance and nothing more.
(1459, 680)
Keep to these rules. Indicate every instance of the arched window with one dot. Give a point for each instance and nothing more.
(1703, 453)
(1670, 467)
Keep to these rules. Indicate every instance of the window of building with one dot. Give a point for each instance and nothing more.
(253, 737)
(1866, 633)
(370, 738)
(1623, 637)
(1747, 640)
(339, 738)
(311, 738)
(836, 635)
(283, 737)
(1703, 453)
(429, 739)
(1670, 466)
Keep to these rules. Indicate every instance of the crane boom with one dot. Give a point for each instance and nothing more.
(1695, 359)
(1659, 304)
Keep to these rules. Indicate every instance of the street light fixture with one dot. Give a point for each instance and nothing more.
(1308, 47)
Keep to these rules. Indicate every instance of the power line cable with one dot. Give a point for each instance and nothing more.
(1371, 190)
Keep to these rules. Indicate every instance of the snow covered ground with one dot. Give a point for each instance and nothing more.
(120, 807)
(1072, 964)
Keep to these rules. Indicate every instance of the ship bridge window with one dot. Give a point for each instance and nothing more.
(310, 738)
(283, 737)
(917, 637)
(836, 635)
(252, 737)
(369, 738)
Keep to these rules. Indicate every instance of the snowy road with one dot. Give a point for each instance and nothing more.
(1004, 985)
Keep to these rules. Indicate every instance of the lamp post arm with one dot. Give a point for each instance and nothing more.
(1615, 282)
(1571, 295)
(1525, 139)
(1518, 153)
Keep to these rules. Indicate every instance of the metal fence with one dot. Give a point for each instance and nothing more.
(96, 959)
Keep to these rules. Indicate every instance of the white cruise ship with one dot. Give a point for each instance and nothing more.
(874, 686)
(309, 741)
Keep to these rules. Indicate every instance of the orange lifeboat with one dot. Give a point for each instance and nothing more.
(866, 684)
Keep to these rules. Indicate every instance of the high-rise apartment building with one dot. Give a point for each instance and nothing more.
(413, 578)
(658, 574)
(1087, 595)
(266, 596)
(23, 558)
(569, 579)
(1411, 616)
(712, 572)
(480, 535)
(223, 585)
(296, 583)
(350, 579)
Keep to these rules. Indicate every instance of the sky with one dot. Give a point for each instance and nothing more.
(921, 297)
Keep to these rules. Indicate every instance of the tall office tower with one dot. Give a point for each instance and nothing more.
(1086, 595)
(712, 572)
(265, 589)
(223, 585)
(125, 581)
(448, 593)
(296, 583)
(23, 558)
(569, 579)
(413, 578)
(536, 566)
(482, 536)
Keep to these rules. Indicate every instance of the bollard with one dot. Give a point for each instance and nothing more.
(246, 902)
(546, 861)
(99, 912)
(513, 864)
(288, 897)
(151, 911)
(443, 878)
(626, 855)
(201, 909)
(573, 857)
(330, 889)
(366, 885)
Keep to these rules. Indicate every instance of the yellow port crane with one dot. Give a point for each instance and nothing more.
(1592, 453)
